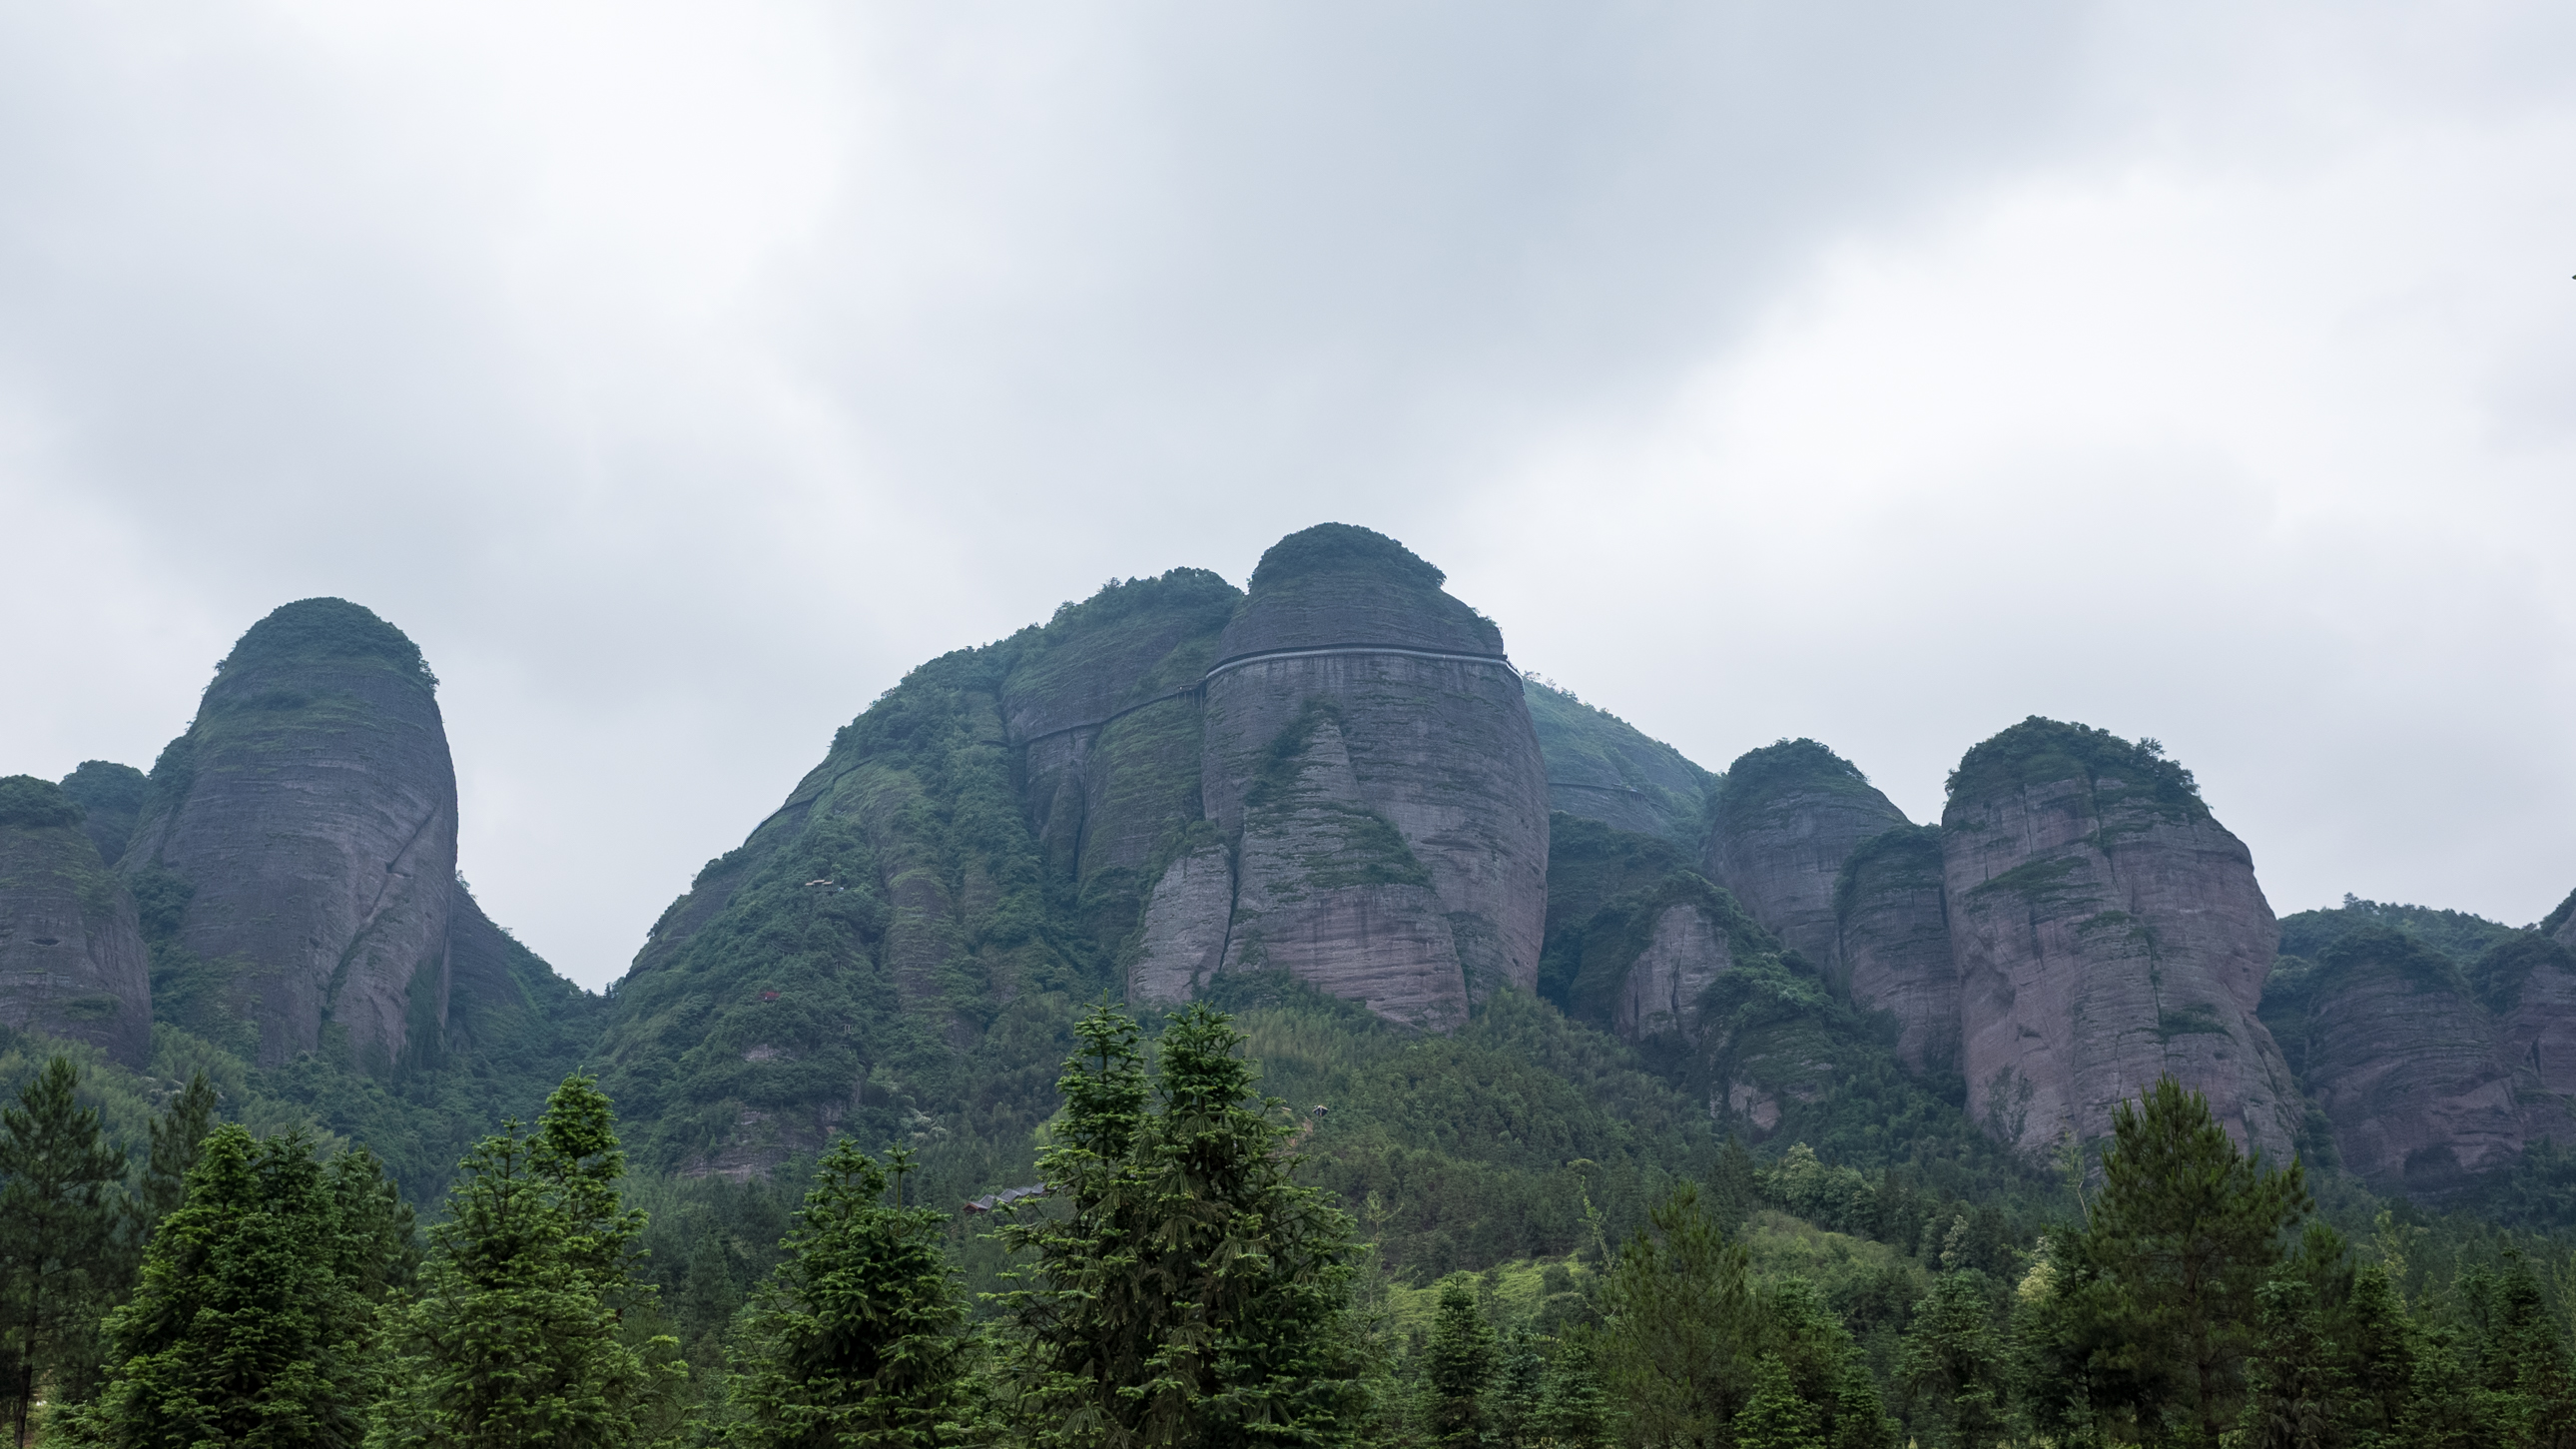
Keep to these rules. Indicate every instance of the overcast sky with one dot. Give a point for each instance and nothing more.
(680, 376)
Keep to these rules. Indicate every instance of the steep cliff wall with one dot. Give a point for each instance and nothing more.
(1599, 767)
(2389, 1039)
(1429, 764)
(2107, 930)
(309, 818)
(71, 952)
(2527, 983)
(1892, 940)
(1787, 816)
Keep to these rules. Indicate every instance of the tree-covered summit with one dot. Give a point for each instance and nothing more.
(324, 628)
(34, 804)
(1761, 775)
(2045, 751)
(1342, 547)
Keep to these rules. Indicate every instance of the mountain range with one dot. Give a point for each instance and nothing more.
(1331, 785)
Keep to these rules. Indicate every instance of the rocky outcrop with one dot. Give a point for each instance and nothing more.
(1599, 767)
(1685, 954)
(1787, 816)
(308, 817)
(2527, 982)
(2402, 1059)
(1892, 939)
(111, 799)
(1369, 762)
(2107, 931)
(72, 962)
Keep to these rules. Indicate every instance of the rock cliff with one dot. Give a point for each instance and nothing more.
(1599, 767)
(71, 951)
(1892, 942)
(2527, 982)
(1368, 761)
(2389, 1039)
(1787, 816)
(2107, 930)
(305, 827)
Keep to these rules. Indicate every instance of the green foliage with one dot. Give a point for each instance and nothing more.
(530, 1327)
(2457, 935)
(1760, 778)
(2045, 751)
(60, 1264)
(1679, 1331)
(1185, 1290)
(858, 1338)
(255, 1321)
(1458, 1367)
(334, 629)
(32, 804)
(2499, 974)
(178, 1140)
(2154, 1300)
(1341, 547)
(1597, 761)
(1954, 1371)
(2559, 915)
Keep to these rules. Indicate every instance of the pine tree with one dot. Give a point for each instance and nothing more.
(1681, 1331)
(1187, 1290)
(1777, 1416)
(178, 1134)
(59, 1255)
(1574, 1412)
(1458, 1364)
(2296, 1393)
(1520, 1385)
(2379, 1361)
(1952, 1364)
(520, 1334)
(1825, 1367)
(2185, 1229)
(254, 1322)
(859, 1337)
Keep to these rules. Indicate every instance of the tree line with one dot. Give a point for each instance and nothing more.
(1176, 1285)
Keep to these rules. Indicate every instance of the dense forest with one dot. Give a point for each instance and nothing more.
(1187, 1274)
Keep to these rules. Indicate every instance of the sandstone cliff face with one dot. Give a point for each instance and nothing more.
(1787, 817)
(71, 953)
(1892, 938)
(310, 813)
(1599, 767)
(1369, 763)
(1685, 953)
(2527, 982)
(2402, 1060)
(2107, 930)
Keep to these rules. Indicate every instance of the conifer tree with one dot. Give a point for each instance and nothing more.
(1458, 1364)
(2158, 1291)
(1678, 1345)
(858, 1340)
(254, 1322)
(59, 1257)
(2379, 1361)
(1574, 1412)
(2296, 1394)
(530, 1328)
(1777, 1416)
(1952, 1365)
(177, 1136)
(1187, 1291)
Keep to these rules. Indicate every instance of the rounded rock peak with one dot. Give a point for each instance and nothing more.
(1759, 775)
(2041, 751)
(316, 630)
(33, 804)
(1339, 584)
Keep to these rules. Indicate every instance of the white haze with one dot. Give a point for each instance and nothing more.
(680, 376)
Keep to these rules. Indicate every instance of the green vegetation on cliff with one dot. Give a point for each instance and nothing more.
(2045, 751)
(333, 629)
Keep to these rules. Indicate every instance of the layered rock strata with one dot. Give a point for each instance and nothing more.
(72, 962)
(1892, 940)
(2403, 1061)
(309, 815)
(1369, 766)
(2107, 931)
(1787, 816)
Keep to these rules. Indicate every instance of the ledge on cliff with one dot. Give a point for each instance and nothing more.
(2044, 751)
